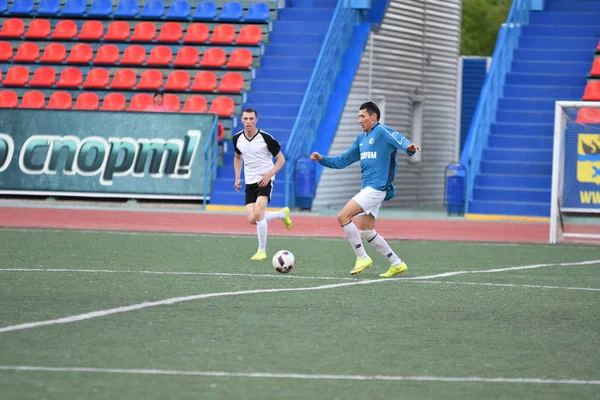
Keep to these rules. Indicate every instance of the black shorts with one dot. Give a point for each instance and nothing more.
(253, 191)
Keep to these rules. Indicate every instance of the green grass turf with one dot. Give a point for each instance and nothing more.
(395, 328)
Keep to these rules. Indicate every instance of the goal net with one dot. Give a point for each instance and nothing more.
(575, 207)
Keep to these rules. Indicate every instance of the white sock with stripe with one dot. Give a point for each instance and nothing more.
(381, 245)
(354, 239)
(270, 216)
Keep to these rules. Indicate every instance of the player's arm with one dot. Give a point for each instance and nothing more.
(237, 164)
(348, 157)
(399, 141)
(275, 150)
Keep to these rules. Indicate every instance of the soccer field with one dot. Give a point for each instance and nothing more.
(99, 315)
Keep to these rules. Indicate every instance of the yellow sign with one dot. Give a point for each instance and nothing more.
(588, 158)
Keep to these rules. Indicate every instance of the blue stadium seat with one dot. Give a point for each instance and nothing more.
(179, 9)
(231, 11)
(48, 7)
(21, 7)
(205, 10)
(153, 9)
(3, 5)
(257, 12)
(101, 8)
(74, 8)
(127, 8)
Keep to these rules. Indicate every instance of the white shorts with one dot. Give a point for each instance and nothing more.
(370, 200)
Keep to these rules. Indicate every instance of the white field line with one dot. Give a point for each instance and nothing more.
(174, 300)
(220, 374)
(510, 285)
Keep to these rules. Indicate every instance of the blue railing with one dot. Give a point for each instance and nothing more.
(210, 159)
(485, 113)
(313, 107)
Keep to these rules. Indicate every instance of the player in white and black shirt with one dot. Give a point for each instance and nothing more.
(257, 150)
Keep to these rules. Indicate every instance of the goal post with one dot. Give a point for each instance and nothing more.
(575, 196)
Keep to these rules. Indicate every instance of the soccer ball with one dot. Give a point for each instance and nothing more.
(283, 261)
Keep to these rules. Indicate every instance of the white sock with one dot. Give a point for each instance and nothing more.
(354, 239)
(261, 230)
(270, 216)
(381, 246)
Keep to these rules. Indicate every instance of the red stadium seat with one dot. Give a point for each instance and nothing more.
(160, 55)
(170, 32)
(592, 91)
(124, 79)
(107, 54)
(8, 99)
(223, 33)
(144, 32)
(87, 101)
(139, 102)
(151, 79)
(240, 58)
(249, 34)
(91, 30)
(114, 102)
(187, 56)
(6, 51)
(196, 33)
(70, 78)
(214, 57)
(118, 31)
(65, 29)
(38, 29)
(54, 53)
(173, 101)
(178, 80)
(588, 115)
(205, 81)
(12, 28)
(595, 71)
(232, 82)
(97, 78)
(223, 106)
(27, 52)
(134, 55)
(196, 104)
(60, 101)
(16, 76)
(81, 53)
(43, 77)
(33, 99)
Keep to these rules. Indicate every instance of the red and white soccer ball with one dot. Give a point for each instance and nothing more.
(283, 261)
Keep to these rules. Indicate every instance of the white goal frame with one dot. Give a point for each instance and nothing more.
(556, 229)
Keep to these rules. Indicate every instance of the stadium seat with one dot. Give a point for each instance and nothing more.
(114, 102)
(139, 102)
(97, 78)
(231, 82)
(249, 34)
(205, 81)
(43, 77)
(60, 101)
(91, 30)
(214, 57)
(592, 91)
(223, 106)
(81, 53)
(179, 9)
(21, 7)
(118, 31)
(160, 55)
(170, 32)
(588, 115)
(257, 12)
(8, 99)
(144, 32)
(153, 9)
(12, 28)
(48, 8)
(54, 53)
(195, 104)
(33, 99)
(74, 8)
(196, 33)
(127, 9)
(27, 52)
(134, 55)
(6, 51)
(187, 56)
(231, 11)
(206, 10)
(178, 80)
(16, 76)
(70, 78)
(595, 71)
(38, 29)
(124, 79)
(173, 101)
(107, 54)
(151, 79)
(240, 58)
(223, 33)
(65, 29)
(87, 101)
(101, 8)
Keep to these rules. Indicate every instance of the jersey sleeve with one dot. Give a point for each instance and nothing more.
(272, 144)
(397, 140)
(348, 157)
(235, 141)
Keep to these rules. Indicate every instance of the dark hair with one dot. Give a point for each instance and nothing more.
(251, 110)
(371, 109)
(157, 94)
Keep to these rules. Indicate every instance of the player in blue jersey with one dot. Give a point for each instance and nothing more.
(376, 149)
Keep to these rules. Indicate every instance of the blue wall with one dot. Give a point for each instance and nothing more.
(474, 71)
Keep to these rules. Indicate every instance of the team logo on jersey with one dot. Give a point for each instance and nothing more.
(588, 158)
(368, 155)
(371, 141)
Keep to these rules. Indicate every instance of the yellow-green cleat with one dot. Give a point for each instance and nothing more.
(361, 265)
(395, 270)
(259, 256)
(287, 220)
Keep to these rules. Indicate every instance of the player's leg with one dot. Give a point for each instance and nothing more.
(283, 215)
(263, 197)
(351, 209)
